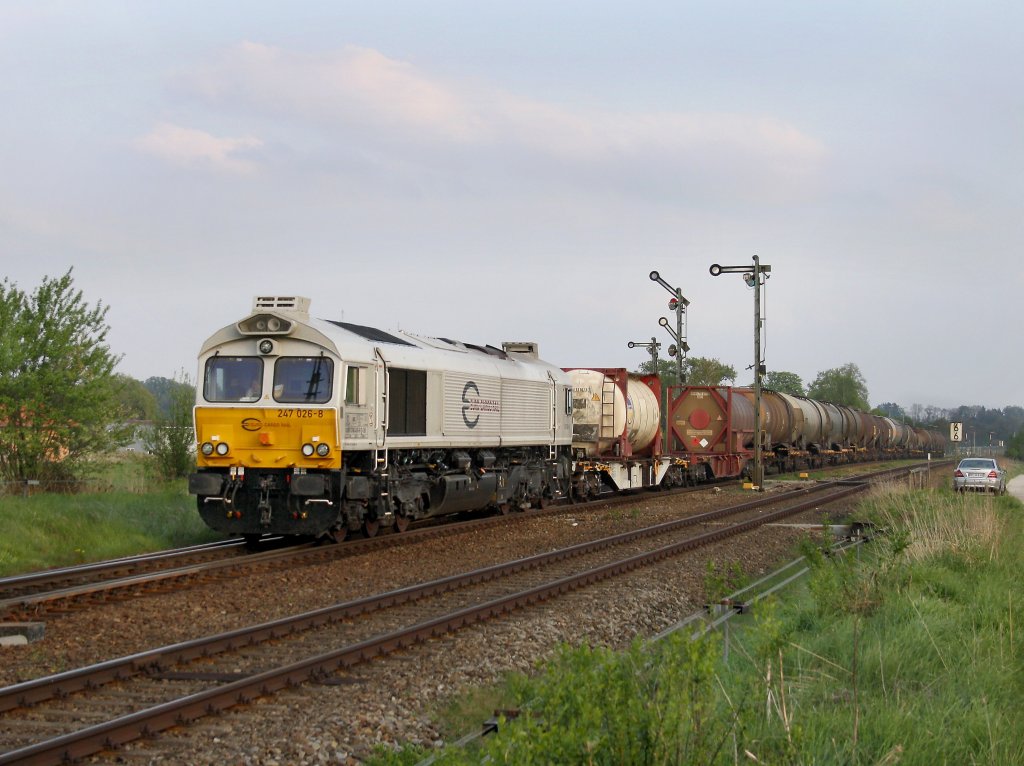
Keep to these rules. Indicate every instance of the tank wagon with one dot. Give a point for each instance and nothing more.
(712, 428)
(617, 436)
(315, 427)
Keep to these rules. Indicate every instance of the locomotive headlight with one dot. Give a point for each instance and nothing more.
(222, 448)
(322, 449)
(207, 448)
(266, 346)
(307, 449)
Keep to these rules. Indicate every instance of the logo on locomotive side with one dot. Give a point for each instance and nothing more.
(474, 403)
(252, 424)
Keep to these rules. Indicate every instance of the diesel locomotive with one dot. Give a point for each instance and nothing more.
(314, 427)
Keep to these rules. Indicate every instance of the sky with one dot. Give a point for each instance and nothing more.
(495, 171)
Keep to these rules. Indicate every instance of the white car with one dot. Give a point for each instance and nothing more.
(981, 473)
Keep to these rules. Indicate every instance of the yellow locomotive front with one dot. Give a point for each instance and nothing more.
(268, 436)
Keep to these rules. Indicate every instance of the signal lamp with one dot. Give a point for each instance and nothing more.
(206, 449)
(222, 448)
(307, 449)
(322, 449)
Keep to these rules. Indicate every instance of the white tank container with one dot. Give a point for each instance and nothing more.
(601, 413)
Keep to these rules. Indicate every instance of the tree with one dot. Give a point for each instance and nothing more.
(167, 391)
(705, 371)
(841, 385)
(786, 382)
(891, 410)
(1015, 447)
(172, 439)
(666, 371)
(59, 402)
(698, 371)
(136, 400)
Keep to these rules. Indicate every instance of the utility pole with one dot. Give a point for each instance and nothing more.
(754, 278)
(678, 304)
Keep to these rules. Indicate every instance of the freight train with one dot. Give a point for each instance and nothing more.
(313, 427)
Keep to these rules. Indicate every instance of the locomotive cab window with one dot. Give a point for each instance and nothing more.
(233, 379)
(303, 380)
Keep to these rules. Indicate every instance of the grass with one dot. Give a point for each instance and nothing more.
(910, 652)
(132, 512)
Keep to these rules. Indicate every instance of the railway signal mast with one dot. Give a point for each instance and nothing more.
(754, 277)
(653, 345)
(678, 304)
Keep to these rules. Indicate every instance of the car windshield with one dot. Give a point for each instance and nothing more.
(233, 379)
(977, 463)
(299, 380)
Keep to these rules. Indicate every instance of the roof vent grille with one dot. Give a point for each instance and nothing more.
(291, 303)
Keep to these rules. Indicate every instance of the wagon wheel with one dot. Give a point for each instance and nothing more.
(371, 527)
(504, 508)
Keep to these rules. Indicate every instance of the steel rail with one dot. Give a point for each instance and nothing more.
(32, 605)
(41, 689)
(159, 717)
(56, 573)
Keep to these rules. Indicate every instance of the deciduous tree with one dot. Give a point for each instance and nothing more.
(786, 382)
(841, 385)
(698, 370)
(59, 403)
(171, 440)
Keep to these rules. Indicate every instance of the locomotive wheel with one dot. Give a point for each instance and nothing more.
(335, 535)
(504, 508)
(401, 523)
(371, 527)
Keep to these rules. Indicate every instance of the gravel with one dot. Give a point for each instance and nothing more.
(389, 702)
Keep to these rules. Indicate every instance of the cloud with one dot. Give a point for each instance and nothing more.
(363, 98)
(190, 146)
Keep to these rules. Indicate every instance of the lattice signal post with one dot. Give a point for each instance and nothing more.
(754, 277)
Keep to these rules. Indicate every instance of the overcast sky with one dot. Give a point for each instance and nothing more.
(513, 171)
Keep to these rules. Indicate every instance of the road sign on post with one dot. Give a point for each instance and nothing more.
(956, 432)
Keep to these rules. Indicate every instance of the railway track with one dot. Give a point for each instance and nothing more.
(51, 592)
(168, 686)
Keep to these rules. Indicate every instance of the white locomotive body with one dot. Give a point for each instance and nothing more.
(314, 427)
